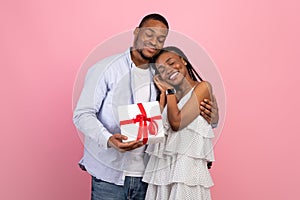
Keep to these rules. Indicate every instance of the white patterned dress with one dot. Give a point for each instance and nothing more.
(177, 168)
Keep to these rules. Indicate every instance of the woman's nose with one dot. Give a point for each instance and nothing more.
(169, 69)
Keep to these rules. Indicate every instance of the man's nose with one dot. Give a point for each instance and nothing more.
(153, 41)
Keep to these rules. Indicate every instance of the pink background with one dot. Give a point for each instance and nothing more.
(255, 45)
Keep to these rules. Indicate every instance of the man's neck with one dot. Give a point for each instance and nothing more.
(138, 60)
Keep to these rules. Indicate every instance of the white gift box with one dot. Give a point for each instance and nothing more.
(141, 122)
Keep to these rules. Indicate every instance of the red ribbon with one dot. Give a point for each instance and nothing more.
(142, 119)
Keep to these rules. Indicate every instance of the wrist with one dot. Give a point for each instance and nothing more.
(170, 91)
(214, 124)
(163, 93)
(108, 143)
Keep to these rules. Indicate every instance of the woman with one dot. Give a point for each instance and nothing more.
(177, 168)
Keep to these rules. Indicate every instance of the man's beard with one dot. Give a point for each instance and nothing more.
(140, 50)
(143, 55)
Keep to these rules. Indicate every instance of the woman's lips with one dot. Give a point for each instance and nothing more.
(173, 75)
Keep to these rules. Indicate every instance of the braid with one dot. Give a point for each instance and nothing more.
(193, 73)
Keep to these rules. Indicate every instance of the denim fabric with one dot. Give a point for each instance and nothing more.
(135, 188)
(102, 190)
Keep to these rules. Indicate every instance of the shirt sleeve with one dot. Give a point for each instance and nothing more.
(214, 125)
(88, 105)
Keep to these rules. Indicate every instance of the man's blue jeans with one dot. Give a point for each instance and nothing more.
(134, 189)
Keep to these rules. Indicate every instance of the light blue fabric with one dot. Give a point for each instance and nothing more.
(108, 84)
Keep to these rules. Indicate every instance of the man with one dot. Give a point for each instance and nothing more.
(117, 167)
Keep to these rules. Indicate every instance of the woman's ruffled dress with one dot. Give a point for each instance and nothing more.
(177, 168)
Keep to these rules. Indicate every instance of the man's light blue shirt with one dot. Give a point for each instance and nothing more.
(108, 84)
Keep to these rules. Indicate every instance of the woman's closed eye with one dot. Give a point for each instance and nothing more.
(171, 62)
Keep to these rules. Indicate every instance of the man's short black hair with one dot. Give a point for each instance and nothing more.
(154, 16)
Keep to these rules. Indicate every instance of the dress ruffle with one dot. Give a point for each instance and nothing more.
(178, 192)
(182, 157)
(193, 141)
(177, 168)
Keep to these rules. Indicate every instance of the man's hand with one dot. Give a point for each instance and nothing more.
(115, 141)
(209, 110)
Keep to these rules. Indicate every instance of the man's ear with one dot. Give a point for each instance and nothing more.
(136, 31)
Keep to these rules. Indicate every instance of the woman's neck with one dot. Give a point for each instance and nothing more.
(185, 87)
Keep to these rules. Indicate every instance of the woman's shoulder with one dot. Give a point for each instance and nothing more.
(203, 86)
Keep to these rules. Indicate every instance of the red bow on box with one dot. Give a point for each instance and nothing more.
(143, 128)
